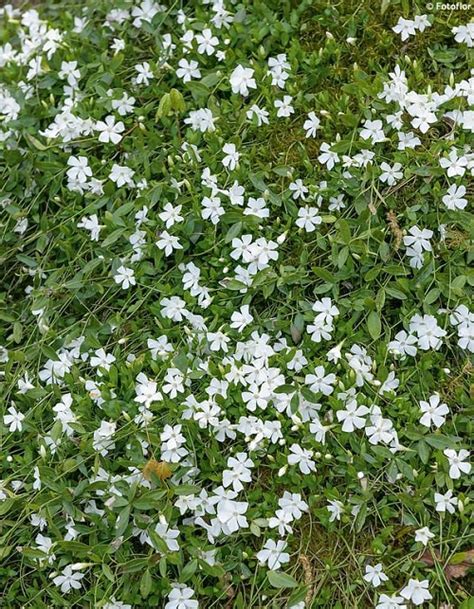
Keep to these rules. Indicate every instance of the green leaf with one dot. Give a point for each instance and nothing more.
(234, 231)
(35, 142)
(439, 442)
(189, 570)
(374, 324)
(423, 451)
(122, 521)
(278, 579)
(145, 584)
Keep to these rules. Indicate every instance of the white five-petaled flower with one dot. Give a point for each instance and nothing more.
(454, 198)
(416, 591)
(335, 509)
(242, 318)
(231, 156)
(181, 597)
(121, 175)
(68, 580)
(390, 602)
(374, 575)
(241, 80)
(206, 42)
(284, 107)
(188, 70)
(125, 276)
(14, 419)
(434, 412)
(273, 554)
(79, 169)
(311, 125)
(446, 502)
(167, 534)
(423, 535)
(110, 130)
(308, 218)
(457, 462)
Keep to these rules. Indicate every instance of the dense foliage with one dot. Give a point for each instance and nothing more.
(235, 337)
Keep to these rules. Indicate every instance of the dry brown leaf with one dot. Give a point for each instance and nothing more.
(308, 577)
(161, 469)
(458, 566)
(395, 229)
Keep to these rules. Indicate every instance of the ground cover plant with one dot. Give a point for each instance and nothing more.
(235, 336)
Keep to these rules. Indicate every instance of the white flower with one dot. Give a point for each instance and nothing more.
(434, 412)
(121, 175)
(403, 344)
(188, 70)
(257, 207)
(308, 218)
(45, 544)
(454, 165)
(102, 359)
(390, 602)
(232, 156)
(171, 214)
(206, 42)
(242, 318)
(454, 199)
(125, 276)
(373, 130)
(301, 457)
(117, 45)
(273, 554)
(168, 243)
(335, 508)
(390, 384)
(428, 331)
(293, 504)
(103, 437)
(70, 72)
(124, 105)
(284, 106)
(405, 27)
(353, 416)
(457, 462)
(423, 535)
(418, 239)
(173, 308)
(241, 80)
(421, 22)
(114, 604)
(445, 502)
(91, 223)
(260, 113)
(390, 173)
(375, 575)
(298, 189)
(145, 12)
(79, 169)
(68, 580)
(327, 156)
(13, 420)
(230, 514)
(180, 597)
(464, 33)
(201, 120)
(311, 125)
(417, 592)
(144, 73)
(320, 381)
(167, 534)
(110, 130)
